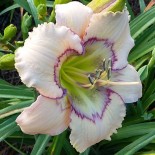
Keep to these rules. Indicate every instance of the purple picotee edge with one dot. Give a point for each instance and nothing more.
(95, 116)
(107, 43)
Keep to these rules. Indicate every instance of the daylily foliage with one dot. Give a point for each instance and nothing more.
(79, 66)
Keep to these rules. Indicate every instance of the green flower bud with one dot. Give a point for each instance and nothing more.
(106, 5)
(42, 10)
(37, 2)
(26, 24)
(9, 32)
(27, 20)
(19, 43)
(7, 62)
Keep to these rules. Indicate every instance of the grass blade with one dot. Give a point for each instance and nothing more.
(148, 102)
(142, 5)
(57, 144)
(149, 91)
(13, 109)
(141, 51)
(8, 130)
(24, 5)
(143, 21)
(40, 144)
(130, 10)
(34, 12)
(17, 150)
(134, 130)
(137, 145)
(12, 93)
(14, 6)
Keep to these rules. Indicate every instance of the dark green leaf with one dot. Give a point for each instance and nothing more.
(143, 72)
(40, 144)
(24, 5)
(137, 144)
(14, 6)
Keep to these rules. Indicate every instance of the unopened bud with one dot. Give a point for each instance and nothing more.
(37, 2)
(42, 10)
(26, 24)
(106, 5)
(9, 32)
(7, 62)
(19, 43)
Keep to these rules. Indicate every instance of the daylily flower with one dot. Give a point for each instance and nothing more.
(79, 66)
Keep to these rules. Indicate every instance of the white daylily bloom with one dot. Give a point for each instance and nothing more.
(79, 66)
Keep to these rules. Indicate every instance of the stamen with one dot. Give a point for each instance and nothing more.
(109, 63)
(109, 73)
(104, 64)
(91, 79)
(98, 73)
(105, 82)
(122, 83)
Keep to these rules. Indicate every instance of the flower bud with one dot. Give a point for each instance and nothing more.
(9, 32)
(27, 20)
(7, 62)
(19, 43)
(26, 24)
(37, 2)
(106, 5)
(42, 10)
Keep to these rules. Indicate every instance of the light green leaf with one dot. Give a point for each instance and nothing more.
(13, 109)
(141, 51)
(143, 21)
(49, 4)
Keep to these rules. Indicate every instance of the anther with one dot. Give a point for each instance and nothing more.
(109, 73)
(109, 63)
(91, 79)
(98, 73)
(104, 64)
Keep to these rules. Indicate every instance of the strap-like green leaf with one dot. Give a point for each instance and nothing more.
(34, 12)
(24, 5)
(40, 144)
(14, 6)
(137, 144)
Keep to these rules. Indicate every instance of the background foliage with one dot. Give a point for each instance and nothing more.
(137, 136)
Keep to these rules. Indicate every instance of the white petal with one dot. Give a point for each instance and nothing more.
(87, 131)
(129, 93)
(112, 28)
(39, 60)
(45, 116)
(74, 15)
